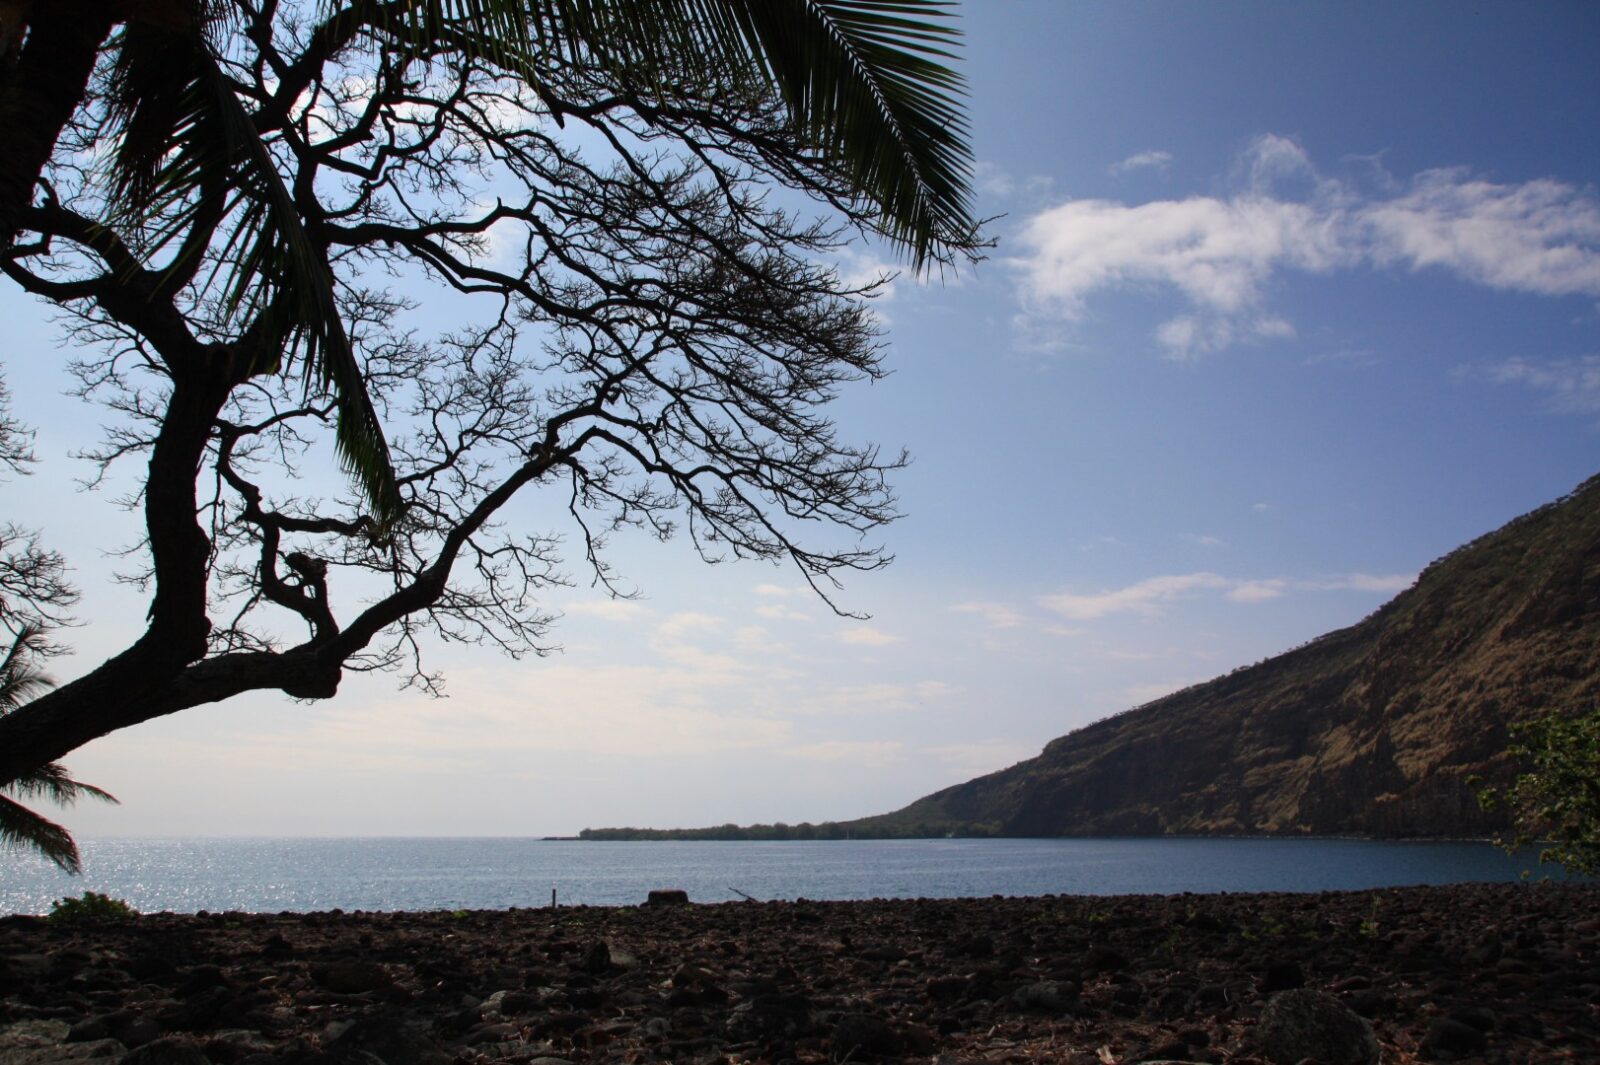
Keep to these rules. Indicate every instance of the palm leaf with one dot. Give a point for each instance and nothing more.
(865, 81)
(185, 141)
(20, 680)
(52, 782)
(21, 827)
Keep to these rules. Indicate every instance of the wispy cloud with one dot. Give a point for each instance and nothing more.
(867, 636)
(982, 756)
(1154, 159)
(1389, 583)
(858, 752)
(1144, 597)
(1257, 591)
(606, 609)
(782, 591)
(1349, 357)
(850, 700)
(995, 182)
(779, 612)
(1220, 253)
(1570, 386)
(995, 615)
(1152, 595)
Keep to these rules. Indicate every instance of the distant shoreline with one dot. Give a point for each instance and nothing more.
(756, 834)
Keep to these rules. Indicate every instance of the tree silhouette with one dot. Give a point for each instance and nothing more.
(632, 207)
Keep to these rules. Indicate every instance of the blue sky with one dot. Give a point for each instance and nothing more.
(1288, 300)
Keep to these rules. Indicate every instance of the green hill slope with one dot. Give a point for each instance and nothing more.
(1370, 730)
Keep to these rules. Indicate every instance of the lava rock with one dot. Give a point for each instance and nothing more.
(352, 976)
(861, 1035)
(1448, 1038)
(166, 1052)
(1044, 996)
(597, 958)
(1282, 976)
(766, 1018)
(389, 1040)
(1301, 1024)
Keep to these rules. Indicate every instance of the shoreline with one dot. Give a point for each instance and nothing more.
(1499, 972)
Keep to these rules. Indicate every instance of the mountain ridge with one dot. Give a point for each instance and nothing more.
(1376, 729)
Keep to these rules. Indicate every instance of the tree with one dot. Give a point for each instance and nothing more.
(1556, 801)
(651, 327)
(861, 81)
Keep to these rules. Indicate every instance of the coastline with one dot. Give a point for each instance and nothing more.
(1479, 972)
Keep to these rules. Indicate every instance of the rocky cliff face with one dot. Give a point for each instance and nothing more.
(1370, 730)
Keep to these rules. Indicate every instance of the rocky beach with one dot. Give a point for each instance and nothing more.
(1491, 973)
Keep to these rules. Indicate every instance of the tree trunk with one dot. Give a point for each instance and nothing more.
(129, 687)
(39, 91)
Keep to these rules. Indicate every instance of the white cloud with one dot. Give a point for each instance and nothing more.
(1571, 386)
(867, 636)
(1219, 254)
(1541, 237)
(995, 615)
(1145, 597)
(1260, 508)
(1203, 540)
(1156, 159)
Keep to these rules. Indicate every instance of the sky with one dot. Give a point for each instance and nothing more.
(1287, 301)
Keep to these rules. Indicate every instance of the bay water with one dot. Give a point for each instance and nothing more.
(272, 875)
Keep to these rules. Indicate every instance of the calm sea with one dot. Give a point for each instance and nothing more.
(269, 875)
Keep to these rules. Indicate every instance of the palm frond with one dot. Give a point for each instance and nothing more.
(865, 81)
(21, 827)
(187, 144)
(52, 782)
(20, 680)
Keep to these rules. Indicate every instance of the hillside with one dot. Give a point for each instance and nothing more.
(1370, 730)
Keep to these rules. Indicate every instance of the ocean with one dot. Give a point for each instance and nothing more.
(273, 875)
